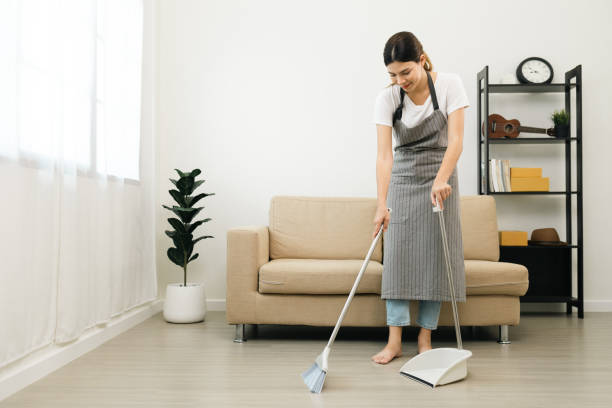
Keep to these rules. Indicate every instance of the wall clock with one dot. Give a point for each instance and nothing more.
(534, 70)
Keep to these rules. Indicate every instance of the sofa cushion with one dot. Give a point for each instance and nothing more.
(479, 228)
(329, 276)
(318, 276)
(495, 278)
(322, 228)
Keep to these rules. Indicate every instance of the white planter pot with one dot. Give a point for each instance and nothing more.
(185, 304)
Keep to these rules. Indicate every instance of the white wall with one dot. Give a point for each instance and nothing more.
(276, 97)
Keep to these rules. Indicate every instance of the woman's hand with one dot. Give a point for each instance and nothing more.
(382, 215)
(440, 190)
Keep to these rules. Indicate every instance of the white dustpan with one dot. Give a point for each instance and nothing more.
(442, 365)
(437, 366)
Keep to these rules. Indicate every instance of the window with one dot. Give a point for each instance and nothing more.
(71, 86)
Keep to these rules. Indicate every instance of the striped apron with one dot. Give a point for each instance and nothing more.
(413, 254)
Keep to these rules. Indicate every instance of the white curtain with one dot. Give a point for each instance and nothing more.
(76, 172)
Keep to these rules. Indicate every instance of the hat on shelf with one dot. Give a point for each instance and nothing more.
(545, 236)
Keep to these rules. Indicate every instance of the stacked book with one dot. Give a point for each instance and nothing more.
(499, 176)
(528, 179)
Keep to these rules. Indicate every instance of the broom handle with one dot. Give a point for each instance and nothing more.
(448, 270)
(350, 298)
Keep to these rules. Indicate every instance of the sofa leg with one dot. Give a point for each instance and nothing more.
(503, 334)
(240, 334)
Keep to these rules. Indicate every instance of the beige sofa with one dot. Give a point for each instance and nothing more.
(300, 269)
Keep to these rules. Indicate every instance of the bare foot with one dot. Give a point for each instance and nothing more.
(424, 342)
(388, 353)
(423, 349)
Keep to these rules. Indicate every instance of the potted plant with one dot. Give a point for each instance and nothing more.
(561, 121)
(185, 303)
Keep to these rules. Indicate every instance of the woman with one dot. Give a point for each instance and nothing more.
(425, 109)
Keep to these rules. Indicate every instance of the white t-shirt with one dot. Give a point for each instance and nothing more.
(449, 91)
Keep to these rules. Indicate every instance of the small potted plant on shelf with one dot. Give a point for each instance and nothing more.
(561, 121)
(185, 303)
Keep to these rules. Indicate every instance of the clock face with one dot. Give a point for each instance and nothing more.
(535, 71)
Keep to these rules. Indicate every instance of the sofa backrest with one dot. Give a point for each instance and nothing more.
(342, 227)
(322, 227)
(479, 228)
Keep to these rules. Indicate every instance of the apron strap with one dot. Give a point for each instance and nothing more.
(397, 115)
(432, 91)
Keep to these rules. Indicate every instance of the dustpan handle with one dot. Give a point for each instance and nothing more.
(356, 284)
(448, 271)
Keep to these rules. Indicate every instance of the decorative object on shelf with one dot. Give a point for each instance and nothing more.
(500, 127)
(545, 236)
(534, 70)
(561, 121)
(513, 238)
(185, 303)
(528, 179)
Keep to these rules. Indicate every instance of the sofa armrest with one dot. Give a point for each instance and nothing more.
(248, 248)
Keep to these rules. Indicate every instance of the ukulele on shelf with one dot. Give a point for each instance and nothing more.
(500, 127)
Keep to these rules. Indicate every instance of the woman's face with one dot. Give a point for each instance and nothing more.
(406, 74)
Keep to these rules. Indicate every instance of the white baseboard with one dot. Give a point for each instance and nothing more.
(40, 363)
(598, 305)
(589, 306)
(217, 305)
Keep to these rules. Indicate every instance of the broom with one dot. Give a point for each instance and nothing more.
(314, 377)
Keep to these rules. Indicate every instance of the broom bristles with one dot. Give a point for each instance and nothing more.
(314, 378)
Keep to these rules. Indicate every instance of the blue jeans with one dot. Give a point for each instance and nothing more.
(398, 313)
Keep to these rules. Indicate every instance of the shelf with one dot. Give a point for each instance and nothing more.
(531, 192)
(529, 140)
(528, 88)
(550, 268)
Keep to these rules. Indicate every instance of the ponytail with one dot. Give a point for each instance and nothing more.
(428, 65)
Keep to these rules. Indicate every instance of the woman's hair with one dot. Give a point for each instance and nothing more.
(404, 47)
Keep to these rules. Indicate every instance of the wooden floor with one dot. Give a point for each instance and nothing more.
(555, 360)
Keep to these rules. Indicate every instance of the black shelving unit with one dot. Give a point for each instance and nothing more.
(550, 267)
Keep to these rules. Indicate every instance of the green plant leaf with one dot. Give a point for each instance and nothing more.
(191, 227)
(185, 214)
(189, 216)
(185, 185)
(195, 172)
(176, 256)
(182, 241)
(179, 198)
(180, 173)
(560, 118)
(173, 181)
(178, 225)
(192, 258)
(190, 201)
(171, 234)
(196, 185)
(189, 249)
(202, 237)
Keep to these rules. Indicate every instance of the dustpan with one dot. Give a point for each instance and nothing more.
(441, 365)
